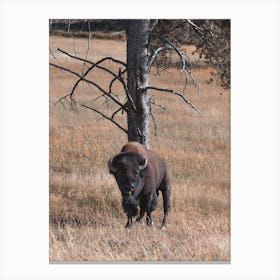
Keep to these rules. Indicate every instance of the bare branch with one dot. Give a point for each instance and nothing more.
(74, 44)
(201, 33)
(154, 121)
(69, 25)
(51, 52)
(184, 64)
(157, 105)
(98, 97)
(116, 77)
(153, 24)
(171, 45)
(126, 90)
(155, 53)
(73, 106)
(62, 103)
(193, 79)
(188, 71)
(173, 92)
(60, 100)
(106, 94)
(87, 81)
(113, 115)
(106, 117)
(211, 44)
(194, 26)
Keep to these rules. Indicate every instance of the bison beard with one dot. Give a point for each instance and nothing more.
(130, 205)
(140, 175)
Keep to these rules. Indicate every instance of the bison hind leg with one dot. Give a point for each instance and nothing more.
(166, 206)
(166, 194)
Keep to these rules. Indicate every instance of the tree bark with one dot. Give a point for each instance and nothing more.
(138, 79)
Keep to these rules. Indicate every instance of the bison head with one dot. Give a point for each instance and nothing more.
(129, 170)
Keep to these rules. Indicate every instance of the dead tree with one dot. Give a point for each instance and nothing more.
(138, 112)
(136, 87)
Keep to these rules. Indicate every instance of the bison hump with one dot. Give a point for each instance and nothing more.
(135, 147)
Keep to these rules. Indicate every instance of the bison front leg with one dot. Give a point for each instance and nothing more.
(132, 212)
(129, 222)
(149, 220)
(130, 206)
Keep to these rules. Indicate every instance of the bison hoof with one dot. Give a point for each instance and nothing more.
(163, 224)
(128, 226)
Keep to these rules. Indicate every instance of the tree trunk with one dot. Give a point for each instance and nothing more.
(137, 79)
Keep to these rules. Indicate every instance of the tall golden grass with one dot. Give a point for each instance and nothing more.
(86, 217)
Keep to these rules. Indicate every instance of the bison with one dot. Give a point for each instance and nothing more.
(140, 174)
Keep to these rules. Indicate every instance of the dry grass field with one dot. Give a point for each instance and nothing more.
(86, 217)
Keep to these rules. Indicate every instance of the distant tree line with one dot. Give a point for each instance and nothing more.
(86, 25)
(117, 25)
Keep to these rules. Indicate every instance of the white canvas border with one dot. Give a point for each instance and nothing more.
(254, 136)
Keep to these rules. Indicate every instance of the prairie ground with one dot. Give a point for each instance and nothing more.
(86, 220)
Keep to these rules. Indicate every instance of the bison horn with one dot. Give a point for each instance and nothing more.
(144, 165)
(112, 169)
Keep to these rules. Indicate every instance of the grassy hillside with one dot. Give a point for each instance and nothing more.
(86, 218)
